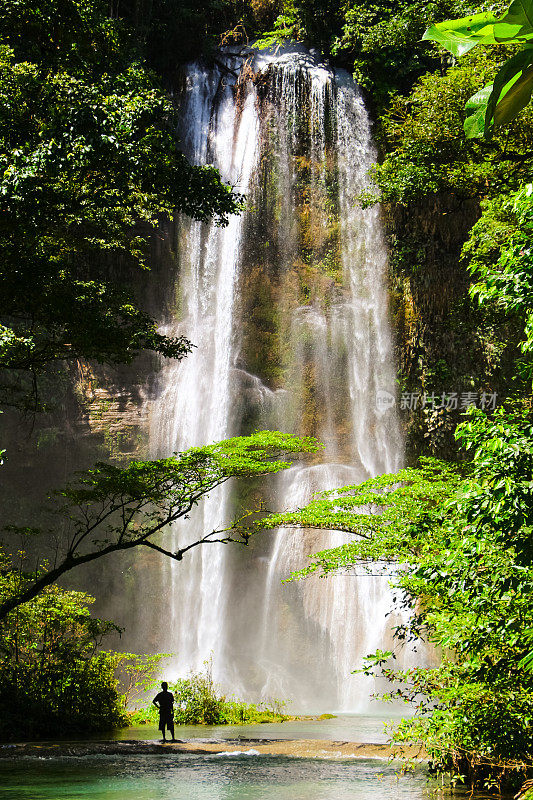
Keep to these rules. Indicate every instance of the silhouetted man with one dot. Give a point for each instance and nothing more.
(164, 702)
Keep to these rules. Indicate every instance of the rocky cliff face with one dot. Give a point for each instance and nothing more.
(444, 343)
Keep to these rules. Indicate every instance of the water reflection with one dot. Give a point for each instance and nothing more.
(208, 778)
(345, 727)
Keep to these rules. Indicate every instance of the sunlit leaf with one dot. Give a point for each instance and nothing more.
(461, 35)
(474, 124)
(511, 91)
(515, 99)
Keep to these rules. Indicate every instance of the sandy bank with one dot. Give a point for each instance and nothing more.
(299, 748)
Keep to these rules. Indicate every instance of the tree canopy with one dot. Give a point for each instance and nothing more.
(90, 163)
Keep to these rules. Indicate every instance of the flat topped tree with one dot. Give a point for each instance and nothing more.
(111, 509)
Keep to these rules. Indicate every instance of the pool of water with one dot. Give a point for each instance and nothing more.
(223, 776)
(345, 727)
(213, 777)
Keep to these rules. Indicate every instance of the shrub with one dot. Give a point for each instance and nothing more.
(53, 678)
(198, 701)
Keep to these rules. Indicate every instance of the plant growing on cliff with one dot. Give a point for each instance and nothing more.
(111, 509)
(381, 41)
(499, 253)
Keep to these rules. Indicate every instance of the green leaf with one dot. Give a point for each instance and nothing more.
(515, 99)
(461, 35)
(527, 662)
(474, 124)
(519, 14)
(511, 90)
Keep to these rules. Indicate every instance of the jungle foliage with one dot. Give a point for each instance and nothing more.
(380, 42)
(462, 538)
(54, 678)
(90, 163)
(499, 256)
(499, 102)
(427, 151)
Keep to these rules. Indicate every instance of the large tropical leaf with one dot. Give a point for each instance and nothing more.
(506, 80)
(461, 35)
(514, 98)
(501, 101)
(519, 15)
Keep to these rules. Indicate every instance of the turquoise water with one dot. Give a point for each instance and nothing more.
(247, 776)
(345, 727)
(213, 777)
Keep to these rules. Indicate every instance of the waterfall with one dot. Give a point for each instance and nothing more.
(287, 307)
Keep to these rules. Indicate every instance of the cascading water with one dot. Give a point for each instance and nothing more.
(194, 407)
(288, 309)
